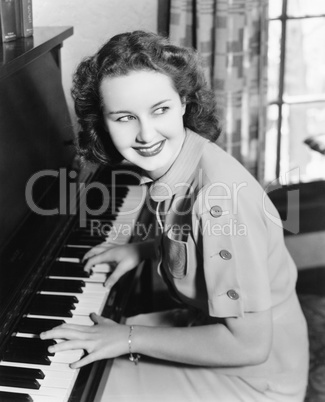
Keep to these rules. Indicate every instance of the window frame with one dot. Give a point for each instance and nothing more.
(281, 100)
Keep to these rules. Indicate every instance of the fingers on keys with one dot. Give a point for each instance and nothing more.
(66, 331)
(97, 250)
(94, 260)
(90, 358)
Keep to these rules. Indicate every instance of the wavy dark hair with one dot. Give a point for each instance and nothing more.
(134, 51)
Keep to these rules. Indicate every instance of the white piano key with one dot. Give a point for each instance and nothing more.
(89, 294)
(97, 277)
(102, 268)
(66, 373)
(95, 287)
(86, 310)
(45, 391)
(43, 398)
(67, 357)
(22, 335)
(69, 259)
(55, 382)
(54, 366)
(89, 301)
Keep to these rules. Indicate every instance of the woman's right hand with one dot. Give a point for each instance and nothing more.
(122, 258)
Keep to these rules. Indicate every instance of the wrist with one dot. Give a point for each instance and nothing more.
(133, 356)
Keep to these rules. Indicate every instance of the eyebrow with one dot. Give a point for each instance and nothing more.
(127, 111)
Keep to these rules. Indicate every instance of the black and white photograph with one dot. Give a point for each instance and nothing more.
(162, 201)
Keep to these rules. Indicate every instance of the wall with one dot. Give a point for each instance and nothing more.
(94, 21)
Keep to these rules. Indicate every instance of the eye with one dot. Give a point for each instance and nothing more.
(161, 110)
(127, 118)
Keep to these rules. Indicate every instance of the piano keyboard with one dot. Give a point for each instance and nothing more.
(28, 372)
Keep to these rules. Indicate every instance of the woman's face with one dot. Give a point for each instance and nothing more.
(143, 114)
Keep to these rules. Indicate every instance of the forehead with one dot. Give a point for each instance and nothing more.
(138, 88)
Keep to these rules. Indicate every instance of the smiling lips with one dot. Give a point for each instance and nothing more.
(151, 151)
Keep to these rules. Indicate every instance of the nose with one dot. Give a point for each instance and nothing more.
(146, 132)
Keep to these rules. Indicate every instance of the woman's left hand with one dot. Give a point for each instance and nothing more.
(106, 339)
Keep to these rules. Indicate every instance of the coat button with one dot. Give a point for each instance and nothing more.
(216, 211)
(225, 255)
(232, 294)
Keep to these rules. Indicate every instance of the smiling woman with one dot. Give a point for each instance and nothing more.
(239, 334)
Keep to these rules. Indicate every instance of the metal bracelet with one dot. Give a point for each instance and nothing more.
(133, 357)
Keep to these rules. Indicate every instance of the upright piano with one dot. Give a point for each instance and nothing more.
(52, 210)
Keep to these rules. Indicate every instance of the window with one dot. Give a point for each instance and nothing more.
(296, 90)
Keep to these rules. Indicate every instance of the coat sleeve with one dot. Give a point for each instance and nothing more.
(232, 237)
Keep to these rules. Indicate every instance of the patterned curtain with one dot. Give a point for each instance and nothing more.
(231, 37)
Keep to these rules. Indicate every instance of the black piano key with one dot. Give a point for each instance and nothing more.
(51, 310)
(42, 305)
(52, 306)
(14, 397)
(74, 252)
(64, 286)
(21, 372)
(62, 268)
(28, 350)
(37, 325)
(58, 299)
(19, 383)
(29, 358)
(30, 344)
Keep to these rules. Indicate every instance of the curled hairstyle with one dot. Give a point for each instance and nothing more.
(135, 51)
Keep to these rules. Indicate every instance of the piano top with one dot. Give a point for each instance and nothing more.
(17, 54)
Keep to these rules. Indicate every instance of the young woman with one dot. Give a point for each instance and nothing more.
(243, 336)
